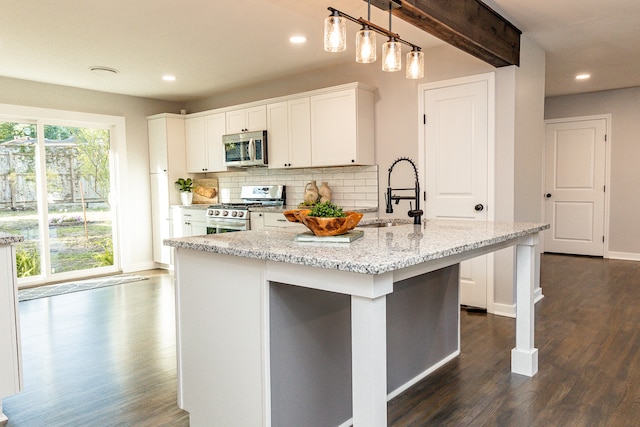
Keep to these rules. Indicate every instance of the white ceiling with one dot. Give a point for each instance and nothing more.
(213, 46)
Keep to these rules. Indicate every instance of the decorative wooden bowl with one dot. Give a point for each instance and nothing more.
(325, 226)
(292, 215)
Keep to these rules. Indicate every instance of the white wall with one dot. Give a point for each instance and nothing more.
(136, 204)
(518, 157)
(623, 105)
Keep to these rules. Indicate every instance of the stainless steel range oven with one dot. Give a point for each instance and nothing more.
(230, 217)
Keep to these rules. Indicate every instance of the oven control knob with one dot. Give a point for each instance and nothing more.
(216, 212)
(240, 214)
(225, 213)
(234, 213)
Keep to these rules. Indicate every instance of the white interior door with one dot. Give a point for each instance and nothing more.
(575, 186)
(456, 146)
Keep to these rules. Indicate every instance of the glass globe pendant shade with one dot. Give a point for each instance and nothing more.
(415, 64)
(335, 34)
(391, 56)
(365, 46)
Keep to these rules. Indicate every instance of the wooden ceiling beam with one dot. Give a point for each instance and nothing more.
(469, 25)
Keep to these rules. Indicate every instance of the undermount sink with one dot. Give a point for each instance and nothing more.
(385, 223)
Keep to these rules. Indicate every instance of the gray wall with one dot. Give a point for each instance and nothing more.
(623, 105)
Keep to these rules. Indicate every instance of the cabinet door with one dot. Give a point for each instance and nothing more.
(157, 129)
(256, 118)
(247, 119)
(216, 127)
(160, 221)
(198, 228)
(236, 120)
(278, 135)
(299, 119)
(257, 221)
(196, 145)
(333, 128)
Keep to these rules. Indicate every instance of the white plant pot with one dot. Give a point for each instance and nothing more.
(186, 197)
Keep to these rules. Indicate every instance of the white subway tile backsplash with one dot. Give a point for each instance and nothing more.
(351, 186)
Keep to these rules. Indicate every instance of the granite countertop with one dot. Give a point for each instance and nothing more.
(7, 239)
(378, 251)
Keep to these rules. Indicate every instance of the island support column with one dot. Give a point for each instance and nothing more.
(369, 361)
(524, 357)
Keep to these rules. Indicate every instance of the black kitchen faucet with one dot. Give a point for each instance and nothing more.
(416, 213)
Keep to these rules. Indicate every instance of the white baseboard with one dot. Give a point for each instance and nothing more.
(140, 266)
(627, 256)
(422, 375)
(537, 295)
(506, 310)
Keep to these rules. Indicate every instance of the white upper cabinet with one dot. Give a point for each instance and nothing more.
(342, 128)
(158, 145)
(289, 133)
(204, 143)
(247, 119)
(196, 143)
(216, 127)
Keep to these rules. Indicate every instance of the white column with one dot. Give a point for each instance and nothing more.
(369, 361)
(524, 357)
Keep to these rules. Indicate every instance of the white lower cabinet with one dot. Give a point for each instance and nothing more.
(257, 220)
(188, 221)
(266, 220)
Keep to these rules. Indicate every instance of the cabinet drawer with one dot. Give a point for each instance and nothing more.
(194, 214)
(276, 219)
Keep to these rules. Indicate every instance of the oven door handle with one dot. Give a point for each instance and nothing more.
(233, 225)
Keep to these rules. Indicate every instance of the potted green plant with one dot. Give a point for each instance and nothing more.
(185, 186)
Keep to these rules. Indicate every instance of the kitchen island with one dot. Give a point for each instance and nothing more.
(271, 331)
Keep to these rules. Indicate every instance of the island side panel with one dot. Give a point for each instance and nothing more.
(220, 324)
(310, 340)
(423, 318)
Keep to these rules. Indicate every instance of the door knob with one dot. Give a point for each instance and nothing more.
(548, 195)
(478, 207)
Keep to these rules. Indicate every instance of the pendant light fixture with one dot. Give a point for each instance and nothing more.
(335, 33)
(366, 42)
(391, 52)
(335, 40)
(391, 55)
(415, 64)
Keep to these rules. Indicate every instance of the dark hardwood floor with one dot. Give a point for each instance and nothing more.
(106, 357)
(588, 336)
(103, 357)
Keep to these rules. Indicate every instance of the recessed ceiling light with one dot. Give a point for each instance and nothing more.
(583, 76)
(103, 71)
(297, 39)
(168, 78)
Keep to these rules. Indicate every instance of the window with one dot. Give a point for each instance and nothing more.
(56, 182)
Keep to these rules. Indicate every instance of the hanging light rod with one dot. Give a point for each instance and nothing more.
(378, 29)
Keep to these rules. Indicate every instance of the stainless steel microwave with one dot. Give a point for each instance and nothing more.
(246, 149)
